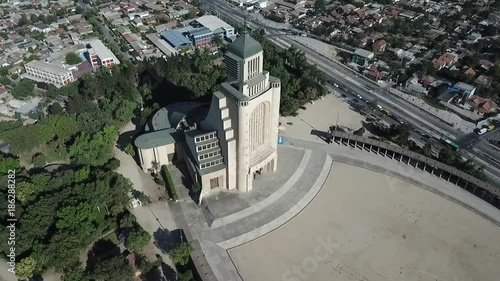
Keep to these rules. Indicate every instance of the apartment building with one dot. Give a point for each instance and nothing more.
(100, 55)
(44, 72)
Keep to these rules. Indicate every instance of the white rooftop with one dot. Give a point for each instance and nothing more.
(47, 67)
(102, 51)
(213, 23)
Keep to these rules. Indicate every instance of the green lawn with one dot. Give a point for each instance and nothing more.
(112, 237)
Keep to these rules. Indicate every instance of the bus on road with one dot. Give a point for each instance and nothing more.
(450, 143)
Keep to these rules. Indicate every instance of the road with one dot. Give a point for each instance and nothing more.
(368, 90)
(104, 29)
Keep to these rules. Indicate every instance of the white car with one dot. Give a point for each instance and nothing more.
(312, 102)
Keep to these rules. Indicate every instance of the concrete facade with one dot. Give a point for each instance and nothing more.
(227, 144)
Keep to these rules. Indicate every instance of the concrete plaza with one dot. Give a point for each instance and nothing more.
(367, 228)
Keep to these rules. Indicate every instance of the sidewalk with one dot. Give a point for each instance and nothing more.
(446, 116)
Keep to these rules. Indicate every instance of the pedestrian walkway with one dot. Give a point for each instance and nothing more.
(293, 188)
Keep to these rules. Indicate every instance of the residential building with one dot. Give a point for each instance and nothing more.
(481, 105)
(362, 56)
(44, 72)
(483, 80)
(445, 61)
(461, 87)
(99, 55)
(379, 46)
(470, 72)
(227, 144)
(413, 85)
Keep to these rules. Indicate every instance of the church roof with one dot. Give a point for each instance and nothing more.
(245, 46)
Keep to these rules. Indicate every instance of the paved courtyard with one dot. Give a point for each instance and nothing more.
(360, 228)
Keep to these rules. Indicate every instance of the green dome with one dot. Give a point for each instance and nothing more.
(245, 46)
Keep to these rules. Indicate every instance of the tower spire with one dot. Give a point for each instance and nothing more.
(245, 24)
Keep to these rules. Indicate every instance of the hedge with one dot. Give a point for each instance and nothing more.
(167, 178)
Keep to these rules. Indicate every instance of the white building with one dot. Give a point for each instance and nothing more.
(226, 144)
(100, 55)
(216, 25)
(44, 72)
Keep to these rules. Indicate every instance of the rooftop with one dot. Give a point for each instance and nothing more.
(155, 139)
(245, 46)
(201, 32)
(213, 23)
(102, 51)
(48, 67)
(464, 86)
(175, 38)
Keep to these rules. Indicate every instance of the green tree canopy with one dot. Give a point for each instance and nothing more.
(181, 254)
(23, 89)
(137, 239)
(25, 268)
(72, 58)
(114, 269)
(38, 160)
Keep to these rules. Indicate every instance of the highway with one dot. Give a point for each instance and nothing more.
(360, 86)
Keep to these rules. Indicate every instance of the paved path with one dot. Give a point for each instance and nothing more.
(155, 218)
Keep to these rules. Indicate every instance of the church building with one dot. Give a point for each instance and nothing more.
(224, 144)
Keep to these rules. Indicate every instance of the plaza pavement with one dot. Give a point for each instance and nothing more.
(368, 228)
(218, 230)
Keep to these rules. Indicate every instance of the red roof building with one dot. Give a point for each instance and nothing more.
(482, 105)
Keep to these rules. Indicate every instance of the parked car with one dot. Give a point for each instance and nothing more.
(303, 107)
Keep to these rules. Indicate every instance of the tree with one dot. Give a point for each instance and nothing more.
(4, 71)
(94, 151)
(114, 269)
(73, 217)
(181, 254)
(8, 163)
(5, 81)
(217, 40)
(359, 132)
(25, 268)
(447, 156)
(72, 58)
(156, 166)
(23, 20)
(23, 89)
(130, 150)
(372, 105)
(38, 160)
(427, 150)
(320, 5)
(196, 187)
(55, 109)
(76, 274)
(34, 18)
(137, 239)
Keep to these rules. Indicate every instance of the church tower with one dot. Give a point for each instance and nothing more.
(247, 107)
